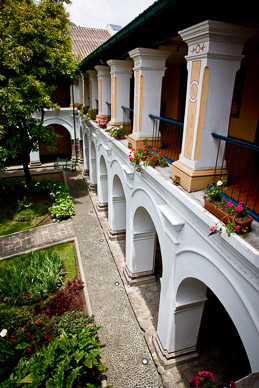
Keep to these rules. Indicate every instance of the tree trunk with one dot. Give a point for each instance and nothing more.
(25, 163)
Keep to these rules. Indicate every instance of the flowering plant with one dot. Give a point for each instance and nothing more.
(147, 156)
(102, 123)
(213, 190)
(91, 115)
(206, 379)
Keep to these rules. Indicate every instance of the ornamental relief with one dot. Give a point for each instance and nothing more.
(198, 49)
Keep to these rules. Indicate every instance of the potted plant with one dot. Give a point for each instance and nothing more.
(147, 156)
(235, 217)
(102, 123)
(118, 133)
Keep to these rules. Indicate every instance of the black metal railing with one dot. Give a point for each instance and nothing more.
(96, 104)
(109, 105)
(241, 161)
(127, 115)
(167, 136)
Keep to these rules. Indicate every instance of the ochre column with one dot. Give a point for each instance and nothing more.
(93, 89)
(121, 73)
(104, 91)
(149, 69)
(214, 56)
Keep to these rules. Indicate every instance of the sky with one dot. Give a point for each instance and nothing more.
(99, 13)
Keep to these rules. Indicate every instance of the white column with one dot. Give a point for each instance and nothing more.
(35, 159)
(121, 73)
(93, 89)
(104, 90)
(149, 69)
(214, 56)
(86, 101)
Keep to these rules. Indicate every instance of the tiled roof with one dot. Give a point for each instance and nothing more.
(85, 39)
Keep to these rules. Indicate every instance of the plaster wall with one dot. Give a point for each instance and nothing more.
(227, 265)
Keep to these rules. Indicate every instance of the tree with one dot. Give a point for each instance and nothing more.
(35, 56)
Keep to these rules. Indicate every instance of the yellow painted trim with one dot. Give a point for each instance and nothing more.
(192, 108)
(91, 93)
(100, 106)
(136, 102)
(201, 113)
(141, 103)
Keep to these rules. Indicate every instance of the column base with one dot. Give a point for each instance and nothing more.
(93, 187)
(116, 235)
(195, 180)
(34, 164)
(136, 279)
(136, 142)
(127, 126)
(168, 360)
(102, 207)
(105, 117)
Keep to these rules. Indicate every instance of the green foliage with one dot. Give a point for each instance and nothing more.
(29, 278)
(67, 361)
(116, 132)
(35, 49)
(214, 190)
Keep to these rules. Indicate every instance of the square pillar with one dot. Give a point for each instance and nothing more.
(86, 101)
(93, 89)
(149, 69)
(214, 56)
(121, 73)
(104, 91)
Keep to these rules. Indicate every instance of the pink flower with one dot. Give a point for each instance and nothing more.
(237, 227)
(229, 204)
(212, 228)
(239, 208)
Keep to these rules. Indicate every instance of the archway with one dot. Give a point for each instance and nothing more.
(102, 186)
(93, 172)
(117, 215)
(86, 153)
(63, 146)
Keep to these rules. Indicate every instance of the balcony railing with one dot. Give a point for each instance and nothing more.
(96, 101)
(127, 115)
(167, 136)
(241, 160)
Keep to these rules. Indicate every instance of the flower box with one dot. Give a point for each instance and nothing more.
(224, 217)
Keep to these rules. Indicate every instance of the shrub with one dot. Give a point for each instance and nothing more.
(29, 278)
(70, 360)
(68, 299)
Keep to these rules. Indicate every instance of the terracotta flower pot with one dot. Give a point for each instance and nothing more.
(122, 136)
(224, 217)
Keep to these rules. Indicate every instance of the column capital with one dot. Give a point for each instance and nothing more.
(102, 71)
(120, 66)
(91, 73)
(146, 58)
(209, 38)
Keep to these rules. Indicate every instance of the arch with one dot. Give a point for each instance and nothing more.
(230, 289)
(117, 215)
(93, 172)
(86, 152)
(63, 145)
(102, 185)
(60, 121)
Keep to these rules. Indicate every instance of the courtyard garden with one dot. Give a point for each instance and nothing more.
(47, 338)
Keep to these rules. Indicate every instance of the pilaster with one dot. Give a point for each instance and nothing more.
(104, 91)
(149, 69)
(93, 88)
(214, 56)
(121, 73)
